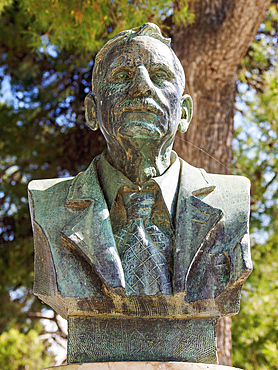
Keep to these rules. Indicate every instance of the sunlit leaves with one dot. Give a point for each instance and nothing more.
(255, 329)
(84, 26)
(22, 351)
(262, 53)
(4, 3)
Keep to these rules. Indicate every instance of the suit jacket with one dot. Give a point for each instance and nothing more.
(78, 268)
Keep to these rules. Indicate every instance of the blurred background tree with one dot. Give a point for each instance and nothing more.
(47, 53)
(255, 329)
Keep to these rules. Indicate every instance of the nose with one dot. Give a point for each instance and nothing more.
(142, 84)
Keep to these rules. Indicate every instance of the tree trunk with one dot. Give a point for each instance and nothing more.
(210, 50)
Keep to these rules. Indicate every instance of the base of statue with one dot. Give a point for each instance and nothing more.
(141, 365)
(136, 339)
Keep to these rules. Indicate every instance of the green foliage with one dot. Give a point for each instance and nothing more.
(255, 329)
(257, 151)
(184, 14)
(4, 3)
(262, 53)
(22, 351)
(84, 26)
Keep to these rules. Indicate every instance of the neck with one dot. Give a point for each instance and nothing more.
(141, 159)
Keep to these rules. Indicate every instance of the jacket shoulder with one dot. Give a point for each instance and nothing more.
(229, 179)
(229, 185)
(233, 194)
(232, 185)
(235, 183)
(230, 193)
(46, 195)
(219, 178)
(41, 185)
(48, 191)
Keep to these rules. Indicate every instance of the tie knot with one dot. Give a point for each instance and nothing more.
(138, 204)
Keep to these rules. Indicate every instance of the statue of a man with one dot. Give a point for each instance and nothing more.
(142, 252)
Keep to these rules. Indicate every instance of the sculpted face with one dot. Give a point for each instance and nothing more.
(139, 92)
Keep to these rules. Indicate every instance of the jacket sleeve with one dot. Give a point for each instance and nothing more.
(45, 282)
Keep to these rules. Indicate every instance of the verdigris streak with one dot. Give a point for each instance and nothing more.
(141, 253)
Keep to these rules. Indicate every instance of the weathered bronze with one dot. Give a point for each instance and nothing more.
(141, 253)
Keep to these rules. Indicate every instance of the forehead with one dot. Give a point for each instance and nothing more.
(139, 50)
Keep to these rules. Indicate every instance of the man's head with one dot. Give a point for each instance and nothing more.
(149, 30)
(137, 84)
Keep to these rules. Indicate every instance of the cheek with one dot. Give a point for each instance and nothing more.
(110, 95)
(107, 101)
(114, 88)
(113, 95)
(170, 96)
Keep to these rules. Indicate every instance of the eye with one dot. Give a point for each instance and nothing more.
(122, 75)
(159, 76)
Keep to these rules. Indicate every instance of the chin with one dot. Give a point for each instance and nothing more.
(145, 126)
(141, 130)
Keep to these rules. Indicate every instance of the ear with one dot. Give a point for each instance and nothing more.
(186, 113)
(91, 112)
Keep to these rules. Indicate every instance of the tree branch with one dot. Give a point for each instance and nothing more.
(221, 33)
(239, 28)
(54, 333)
(39, 316)
(270, 182)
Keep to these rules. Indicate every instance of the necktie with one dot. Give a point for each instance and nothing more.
(144, 249)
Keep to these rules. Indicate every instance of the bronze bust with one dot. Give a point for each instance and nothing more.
(142, 252)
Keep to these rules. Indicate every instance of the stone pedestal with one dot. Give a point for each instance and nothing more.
(141, 366)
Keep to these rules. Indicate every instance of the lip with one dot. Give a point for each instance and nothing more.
(141, 111)
(144, 106)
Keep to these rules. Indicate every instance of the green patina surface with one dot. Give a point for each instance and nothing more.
(142, 252)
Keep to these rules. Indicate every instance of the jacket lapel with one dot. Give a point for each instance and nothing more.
(194, 221)
(90, 232)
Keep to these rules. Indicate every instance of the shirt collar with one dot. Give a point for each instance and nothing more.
(112, 180)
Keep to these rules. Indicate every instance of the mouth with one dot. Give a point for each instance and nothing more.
(147, 105)
(143, 125)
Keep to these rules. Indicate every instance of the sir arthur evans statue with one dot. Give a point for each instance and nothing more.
(142, 252)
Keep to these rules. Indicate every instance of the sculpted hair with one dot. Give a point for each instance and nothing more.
(148, 29)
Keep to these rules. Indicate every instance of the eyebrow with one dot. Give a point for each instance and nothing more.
(163, 66)
(121, 63)
(116, 65)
